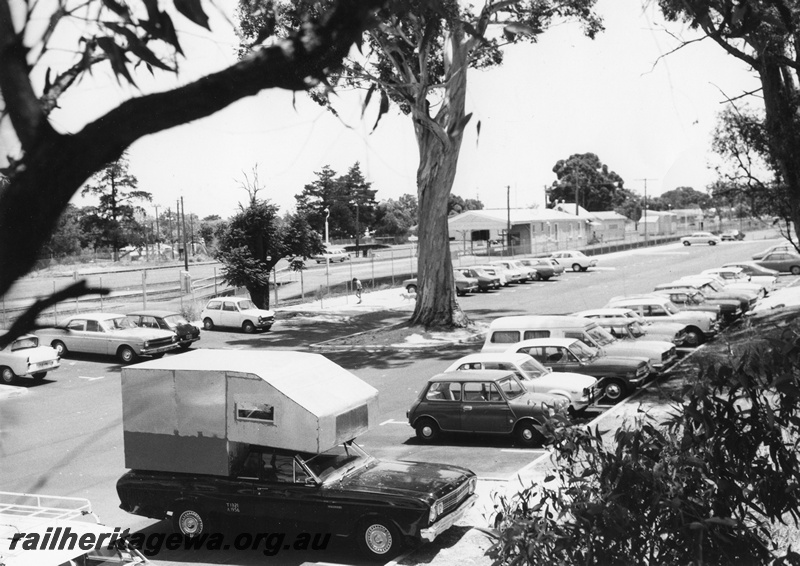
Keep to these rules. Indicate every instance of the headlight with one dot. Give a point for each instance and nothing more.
(146, 344)
(630, 374)
(433, 514)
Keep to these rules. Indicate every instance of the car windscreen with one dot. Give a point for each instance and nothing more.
(174, 320)
(245, 305)
(339, 460)
(601, 336)
(511, 387)
(583, 352)
(532, 369)
(24, 343)
(119, 323)
(636, 330)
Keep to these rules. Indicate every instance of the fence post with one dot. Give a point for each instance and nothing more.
(275, 282)
(75, 278)
(215, 282)
(55, 305)
(320, 296)
(373, 271)
(392, 262)
(144, 288)
(302, 288)
(101, 296)
(411, 261)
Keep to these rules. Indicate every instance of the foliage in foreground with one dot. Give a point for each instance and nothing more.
(703, 486)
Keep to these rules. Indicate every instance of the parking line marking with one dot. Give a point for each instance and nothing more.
(90, 378)
(392, 421)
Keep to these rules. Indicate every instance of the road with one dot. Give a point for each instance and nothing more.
(63, 436)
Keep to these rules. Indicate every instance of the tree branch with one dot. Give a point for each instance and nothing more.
(27, 321)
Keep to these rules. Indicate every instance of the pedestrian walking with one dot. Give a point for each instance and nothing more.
(358, 287)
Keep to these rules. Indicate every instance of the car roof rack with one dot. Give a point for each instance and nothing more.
(45, 506)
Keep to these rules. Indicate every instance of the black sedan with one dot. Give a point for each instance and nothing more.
(485, 281)
(186, 332)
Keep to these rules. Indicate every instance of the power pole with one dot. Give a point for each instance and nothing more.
(645, 207)
(508, 217)
(185, 250)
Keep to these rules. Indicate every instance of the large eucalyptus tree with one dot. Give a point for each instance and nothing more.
(419, 59)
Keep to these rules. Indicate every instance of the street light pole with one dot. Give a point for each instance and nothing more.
(327, 214)
(327, 255)
(645, 208)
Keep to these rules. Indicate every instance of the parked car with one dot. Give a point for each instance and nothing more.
(736, 274)
(485, 281)
(24, 357)
(628, 324)
(483, 401)
(688, 297)
(754, 270)
(700, 326)
(786, 297)
(545, 269)
(332, 255)
(110, 334)
(506, 330)
(495, 271)
(713, 286)
(701, 238)
(731, 235)
(236, 312)
(463, 283)
(578, 389)
(784, 247)
(781, 261)
(618, 375)
(734, 280)
(579, 261)
(186, 332)
(512, 272)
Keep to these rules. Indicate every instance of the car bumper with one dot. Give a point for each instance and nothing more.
(429, 534)
(46, 365)
(188, 340)
(158, 350)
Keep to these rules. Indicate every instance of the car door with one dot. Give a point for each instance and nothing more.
(95, 338)
(75, 337)
(284, 496)
(230, 314)
(484, 408)
(443, 402)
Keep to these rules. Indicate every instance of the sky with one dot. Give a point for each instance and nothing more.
(647, 114)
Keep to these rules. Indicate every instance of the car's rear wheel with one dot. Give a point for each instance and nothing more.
(7, 375)
(537, 277)
(411, 288)
(248, 327)
(687, 243)
(39, 375)
(189, 520)
(615, 390)
(545, 277)
(576, 267)
(208, 324)
(378, 538)
(528, 435)
(427, 430)
(694, 337)
(60, 347)
(795, 270)
(712, 243)
(185, 345)
(126, 355)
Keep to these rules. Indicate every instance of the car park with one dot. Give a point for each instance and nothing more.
(700, 238)
(578, 389)
(784, 262)
(332, 255)
(236, 312)
(545, 269)
(635, 327)
(186, 332)
(464, 284)
(618, 376)
(507, 330)
(577, 260)
(784, 247)
(700, 326)
(108, 334)
(731, 235)
(25, 357)
(485, 281)
(482, 401)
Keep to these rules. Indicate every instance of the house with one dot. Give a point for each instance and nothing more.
(657, 223)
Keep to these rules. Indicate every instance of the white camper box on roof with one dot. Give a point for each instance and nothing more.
(198, 412)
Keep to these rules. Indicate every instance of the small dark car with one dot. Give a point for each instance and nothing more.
(186, 332)
(483, 401)
(485, 281)
(343, 491)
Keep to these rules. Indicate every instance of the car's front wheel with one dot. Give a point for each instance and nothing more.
(378, 538)
(694, 337)
(712, 243)
(795, 270)
(615, 390)
(411, 288)
(576, 267)
(427, 430)
(208, 324)
(528, 435)
(60, 347)
(248, 327)
(7, 375)
(687, 243)
(126, 355)
(39, 375)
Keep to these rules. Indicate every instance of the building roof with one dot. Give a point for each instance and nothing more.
(497, 219)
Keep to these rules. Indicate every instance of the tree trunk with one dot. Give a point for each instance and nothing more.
(259, 295)
(439, 142)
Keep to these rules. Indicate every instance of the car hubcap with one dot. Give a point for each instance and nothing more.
(527, 434)
(613, 391)
(379, 539)
(190, 523)
(427, 431)
(8, 377)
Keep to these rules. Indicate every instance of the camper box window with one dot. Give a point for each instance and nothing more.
(260, 412)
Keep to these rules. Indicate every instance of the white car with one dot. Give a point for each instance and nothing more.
(514, 273)
(735, 275)
(495, 271)
(24, 357)
(331, 255)
(579, 261)
(701, 238)
(579, 389)
(700, 326)
(613, 319)
(236, 312)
